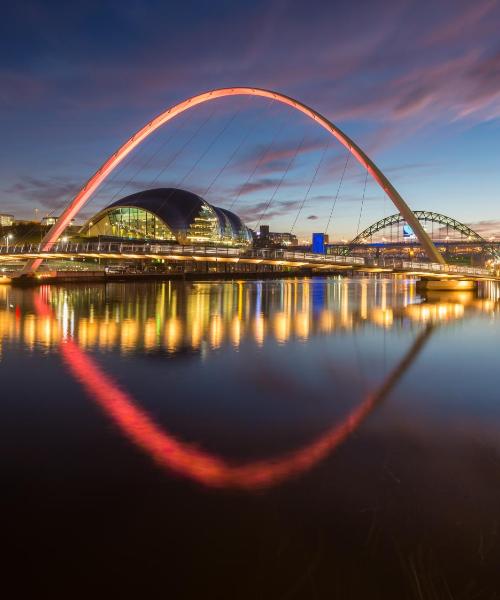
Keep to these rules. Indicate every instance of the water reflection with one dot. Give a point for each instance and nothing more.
(199, 465)
(379, 470)
(174, 317)
(192, 462)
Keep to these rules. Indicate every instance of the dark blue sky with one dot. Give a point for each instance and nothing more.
(417, 84)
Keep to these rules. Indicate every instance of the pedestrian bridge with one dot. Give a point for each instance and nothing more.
(51, 248)
(117, 251)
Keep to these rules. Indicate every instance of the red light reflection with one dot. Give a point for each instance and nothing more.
(196, 464)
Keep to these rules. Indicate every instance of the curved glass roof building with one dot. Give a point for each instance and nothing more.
(168, 214)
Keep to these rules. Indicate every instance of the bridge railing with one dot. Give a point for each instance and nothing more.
(117, 248)
(438, 268)
(104, 248)
(147, 250)
(290, 255)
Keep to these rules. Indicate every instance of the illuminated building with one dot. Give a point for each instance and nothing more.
(6, 220)
(319, 241)
(48, 221)
(274, 238)
(168, 214)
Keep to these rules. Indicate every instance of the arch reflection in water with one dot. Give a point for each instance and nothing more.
(196, 464)
(175, 317)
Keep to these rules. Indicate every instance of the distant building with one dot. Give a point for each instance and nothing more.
(274, 238)
(6, 220)
(49, 221)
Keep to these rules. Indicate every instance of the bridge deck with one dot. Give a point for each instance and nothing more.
(289, 258)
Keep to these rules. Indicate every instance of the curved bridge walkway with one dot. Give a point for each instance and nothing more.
(286, 258)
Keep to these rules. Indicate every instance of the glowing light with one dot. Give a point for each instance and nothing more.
(259, 329)
(197, 464)
(281, 326)
(113, 161)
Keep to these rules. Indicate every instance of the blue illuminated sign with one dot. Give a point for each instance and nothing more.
(318, 245)
(407, 231)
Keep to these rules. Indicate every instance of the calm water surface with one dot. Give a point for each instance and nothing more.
(313, 438)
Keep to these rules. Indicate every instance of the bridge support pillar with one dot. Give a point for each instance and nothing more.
(447, 285)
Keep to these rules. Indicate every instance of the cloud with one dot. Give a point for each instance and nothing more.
(372, 68)
(487, 228)
(390, 72)
(261, 211)
(51, 193)
(451, 30)
(18, 89)
(276, 157)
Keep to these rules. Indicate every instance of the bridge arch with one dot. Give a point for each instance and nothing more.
(421, 215)
(115, 159)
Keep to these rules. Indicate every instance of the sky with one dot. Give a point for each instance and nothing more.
(415, 83)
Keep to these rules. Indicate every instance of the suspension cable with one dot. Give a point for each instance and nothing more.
(338, 192)
(177, 154)
(162, 146)
(318, 166)
(290, 162)
(235, 152)
(257, 164)
(203, 154)
(183, 147)
(210, 146)
(362, 203)
(113, 178)
(173, 158)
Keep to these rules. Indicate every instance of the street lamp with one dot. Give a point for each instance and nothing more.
(7, 238)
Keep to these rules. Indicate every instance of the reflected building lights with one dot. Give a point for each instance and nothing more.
(228, 313)
(364, 300)
(172, 334)
(236, 330)
(195, 463)
(259, 329)
(216, 331)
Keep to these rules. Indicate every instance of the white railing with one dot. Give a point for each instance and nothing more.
(438, 268)
(290, 255)
(146, 250)
(174, 249)
(117, 248)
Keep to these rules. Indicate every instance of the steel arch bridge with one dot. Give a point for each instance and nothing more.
(115, 159)
(423, 216)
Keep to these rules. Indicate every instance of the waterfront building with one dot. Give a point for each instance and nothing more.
(48, 221)
(275, 238)
(6, 220)
(168, 214)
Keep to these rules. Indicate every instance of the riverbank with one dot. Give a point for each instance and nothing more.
(61, 277)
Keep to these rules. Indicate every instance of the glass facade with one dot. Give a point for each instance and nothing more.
(130, 223)
(174, 220)
(205, 228)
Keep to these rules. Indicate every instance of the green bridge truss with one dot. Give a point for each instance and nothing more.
(423, 216)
